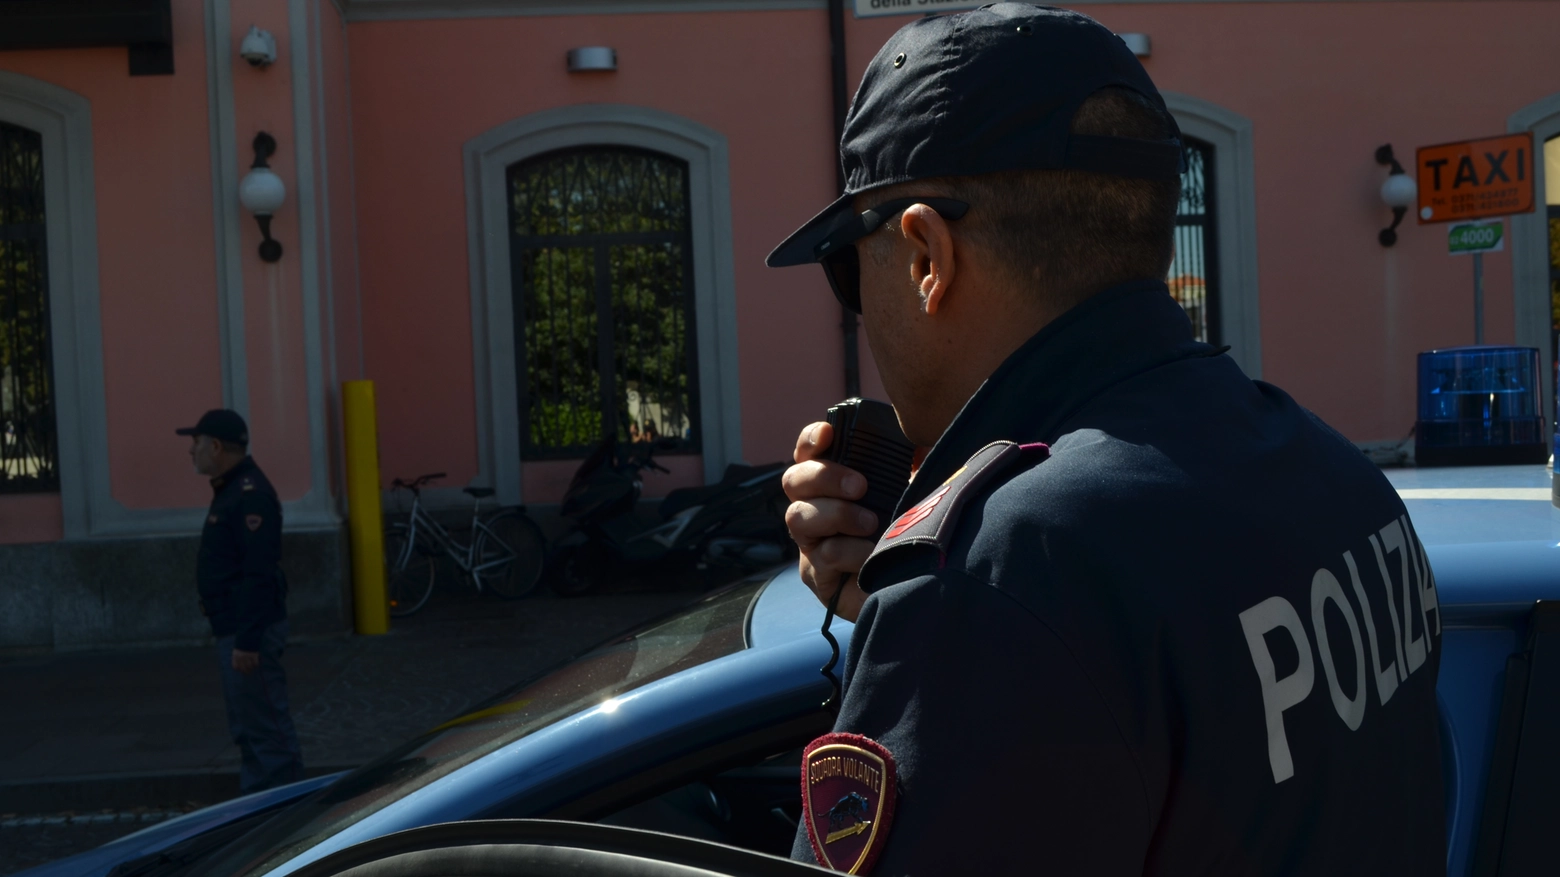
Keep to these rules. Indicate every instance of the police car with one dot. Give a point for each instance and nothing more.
(678, 745)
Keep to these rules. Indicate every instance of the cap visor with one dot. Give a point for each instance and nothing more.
(800, 248)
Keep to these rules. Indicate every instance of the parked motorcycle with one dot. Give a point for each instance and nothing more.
(737, 524)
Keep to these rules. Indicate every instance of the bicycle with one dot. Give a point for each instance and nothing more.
(505, 554)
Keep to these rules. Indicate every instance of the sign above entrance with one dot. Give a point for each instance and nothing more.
(1475, 179)
(1472, 238)
(874, 8)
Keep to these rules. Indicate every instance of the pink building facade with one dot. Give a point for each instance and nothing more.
(401, 125)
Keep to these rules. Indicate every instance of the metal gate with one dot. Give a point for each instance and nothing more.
(602, 273)
(29, 456)
(1194, 280)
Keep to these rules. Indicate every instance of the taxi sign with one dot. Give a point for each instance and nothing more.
(873, 8)
(1471, 238)
(1475, 179)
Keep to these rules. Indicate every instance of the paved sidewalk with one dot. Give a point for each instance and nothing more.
(115, 731)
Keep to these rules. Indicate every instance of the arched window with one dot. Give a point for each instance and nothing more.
(29, 455)
(601, 266)
(1194, 274)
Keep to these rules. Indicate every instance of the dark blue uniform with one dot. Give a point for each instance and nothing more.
(1194, 635)
(243, 593)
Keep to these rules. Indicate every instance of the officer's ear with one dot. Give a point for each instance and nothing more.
(932, 266)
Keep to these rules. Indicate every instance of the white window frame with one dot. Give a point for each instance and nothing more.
(1234, 221)
(1530, 249)
(64, 120)
(488, 157)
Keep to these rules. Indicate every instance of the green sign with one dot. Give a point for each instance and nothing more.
(1464, 238)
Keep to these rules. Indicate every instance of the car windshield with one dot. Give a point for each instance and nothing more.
(709, 629)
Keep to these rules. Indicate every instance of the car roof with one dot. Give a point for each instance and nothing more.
(787, 610)
(1459, 505)
(771, 682)
(1491, 533)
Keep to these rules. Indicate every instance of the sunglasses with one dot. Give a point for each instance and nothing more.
(841, 260)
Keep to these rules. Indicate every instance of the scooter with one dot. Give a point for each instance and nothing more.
(737, 524)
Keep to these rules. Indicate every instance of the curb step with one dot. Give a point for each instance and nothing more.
(82, 798)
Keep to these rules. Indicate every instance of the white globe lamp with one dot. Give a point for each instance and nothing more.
(262, 193)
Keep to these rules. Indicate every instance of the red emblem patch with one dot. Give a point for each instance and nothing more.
(918, 514)
(252, 521)
(848, 795)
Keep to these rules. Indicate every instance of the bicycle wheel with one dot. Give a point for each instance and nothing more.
(510, 554)
(409, 572)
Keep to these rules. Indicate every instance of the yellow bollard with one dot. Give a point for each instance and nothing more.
(365, 521)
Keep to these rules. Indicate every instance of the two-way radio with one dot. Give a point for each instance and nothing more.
(867, 438)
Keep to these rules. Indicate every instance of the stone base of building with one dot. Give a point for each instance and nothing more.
(123, 592)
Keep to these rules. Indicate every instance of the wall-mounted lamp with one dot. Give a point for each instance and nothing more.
(592, 58)
(1398, 190)
(258, 47)
(1139, 43)
(262, 192)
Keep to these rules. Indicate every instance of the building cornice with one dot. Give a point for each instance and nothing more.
(397, 10)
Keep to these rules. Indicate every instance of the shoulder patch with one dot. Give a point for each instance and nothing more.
(848, 797)
(932, 520)
(248, 483)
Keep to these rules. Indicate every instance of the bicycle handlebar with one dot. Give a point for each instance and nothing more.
(417, 482)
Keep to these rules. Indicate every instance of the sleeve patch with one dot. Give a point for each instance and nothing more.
(932, 520)
(848, 797)
(253, 522)
(919, 513)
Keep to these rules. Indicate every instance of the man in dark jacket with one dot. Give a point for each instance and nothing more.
(1136, 613)
(243, 594)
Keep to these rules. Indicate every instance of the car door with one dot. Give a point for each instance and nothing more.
(535, 847)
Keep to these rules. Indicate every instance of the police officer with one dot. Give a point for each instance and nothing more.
(243, 593)
(1136, 613)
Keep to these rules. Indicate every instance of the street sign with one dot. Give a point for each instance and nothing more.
(874, 8)
(1472, 238)
(1475, 179)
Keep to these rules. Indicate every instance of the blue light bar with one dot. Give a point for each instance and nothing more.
(1480, 406)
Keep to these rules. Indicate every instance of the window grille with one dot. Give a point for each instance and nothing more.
(1194, 280)
(1552, 215)
(601, 267)
(29, 455)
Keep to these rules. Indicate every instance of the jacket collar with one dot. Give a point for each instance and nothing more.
(1115, 334)
(241, 468)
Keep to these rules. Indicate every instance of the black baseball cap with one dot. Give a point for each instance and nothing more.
(221, 424)
(992, 89)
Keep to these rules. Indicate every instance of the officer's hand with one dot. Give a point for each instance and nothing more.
(827, 527)
(246, 662)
